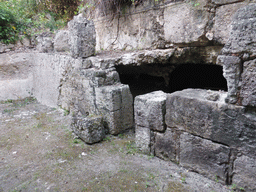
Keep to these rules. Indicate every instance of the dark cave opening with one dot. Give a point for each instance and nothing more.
(148, 78)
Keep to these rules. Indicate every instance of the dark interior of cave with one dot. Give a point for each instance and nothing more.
(182, 77)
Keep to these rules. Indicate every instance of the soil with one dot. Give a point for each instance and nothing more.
(38, 152)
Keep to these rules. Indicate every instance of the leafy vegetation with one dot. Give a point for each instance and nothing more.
(25, 18)
(19, 18)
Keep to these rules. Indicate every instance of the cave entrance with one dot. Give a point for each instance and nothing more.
(147, 78)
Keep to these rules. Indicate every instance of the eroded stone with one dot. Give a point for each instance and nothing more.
(90, 129)
(204, 156)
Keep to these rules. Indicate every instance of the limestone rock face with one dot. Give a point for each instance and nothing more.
(238, 57)
(185, 24)
(82, 38)
(248, 85)
(143, 139)
(149, 110)
(89, 129)
(243, 32)
(61, 41)
(45, 42)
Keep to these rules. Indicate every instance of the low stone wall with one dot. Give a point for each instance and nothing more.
(198, 130)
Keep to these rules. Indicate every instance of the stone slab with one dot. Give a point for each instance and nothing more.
(204, 156)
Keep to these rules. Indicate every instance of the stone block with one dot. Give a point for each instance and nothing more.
(232, 125)
(167, 145)
(45, 42)
(223, 19)
(204, 156)
(115, 103)
(61, 41)
(143, 139)
(82, 37)
(185, 23)
(242, 37)
(90, 129)
(248, 84)
(149, 110)
(245, 173)
(232, 69)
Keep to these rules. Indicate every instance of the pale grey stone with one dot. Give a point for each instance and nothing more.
(115, 102)
(90, 129)
(232, 125)
(4, 47)
(149, 110)
(223, 19)
(82, 37)
(245, 173)
(212, 96)
(232, 69)
(61, 41)
(143, 139)
(185, 24)
(204, 156)
(45, 42)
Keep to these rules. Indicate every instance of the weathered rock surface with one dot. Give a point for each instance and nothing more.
(61, 41)
(149, 110)
(243, 32)
(237, 53)
(245, 172)
(45, 42)
(223, 19)
(82, 39)
(167, 145)
(188, 110)
(115, 103)
(185, 23)
(143, 139)
(232, 69)
(204, 156)
(248, 85)
(90, 129)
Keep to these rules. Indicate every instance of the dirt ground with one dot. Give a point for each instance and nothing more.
(38, 152)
